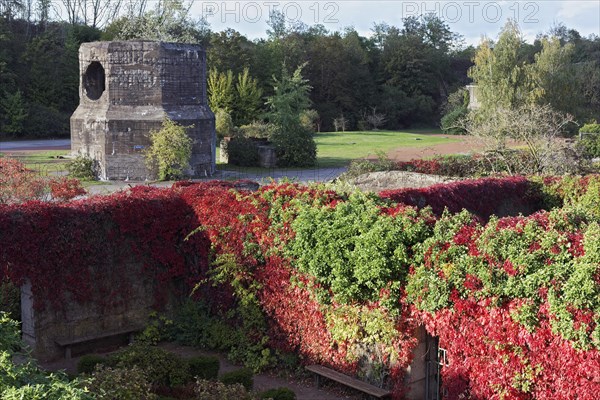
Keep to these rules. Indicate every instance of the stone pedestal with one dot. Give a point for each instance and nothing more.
(126, 90)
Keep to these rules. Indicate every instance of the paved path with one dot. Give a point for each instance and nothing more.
(48, 144)
(295, 175)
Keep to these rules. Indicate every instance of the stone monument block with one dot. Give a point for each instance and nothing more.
(126, 90)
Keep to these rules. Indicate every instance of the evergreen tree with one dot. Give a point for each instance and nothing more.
(221, 94)
(12, 113)
(294, 141)
(249, 97)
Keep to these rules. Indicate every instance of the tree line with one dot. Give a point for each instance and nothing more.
(398, 77)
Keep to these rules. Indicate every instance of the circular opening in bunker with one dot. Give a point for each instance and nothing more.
(93, 80)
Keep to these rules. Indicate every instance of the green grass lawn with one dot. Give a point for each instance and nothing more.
(45, 162)
(336, 149)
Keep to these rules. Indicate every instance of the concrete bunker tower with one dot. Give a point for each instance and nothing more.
(126, 89)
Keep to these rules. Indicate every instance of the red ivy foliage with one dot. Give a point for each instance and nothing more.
(63, 247)
(482, 197)
(65, 189)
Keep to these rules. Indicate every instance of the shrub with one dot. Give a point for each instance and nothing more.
(241, 376)
(128, 383)
(295, 147)
(159, 328)
(353, 249)
(82, 167)
(450, 123)
(242, 151)
(590, 128)
(208, 390)
(363, 166)
(10, 299)
(170, 151)
(204, 367)
(24, 379)
(223, 123)
(258, 130)
(160, 366)
(281, 393)
(65, 189)
(455, 109)
(19, 184)
(590, 146)
(87, 364)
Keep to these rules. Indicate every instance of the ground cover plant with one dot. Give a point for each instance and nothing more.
(513, 300)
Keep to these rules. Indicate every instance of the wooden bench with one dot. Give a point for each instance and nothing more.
(68, 343)
(373, 391)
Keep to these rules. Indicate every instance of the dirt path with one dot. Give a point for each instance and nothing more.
(465, 145)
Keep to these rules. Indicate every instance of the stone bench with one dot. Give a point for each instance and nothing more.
(373, 391)
(68, 343)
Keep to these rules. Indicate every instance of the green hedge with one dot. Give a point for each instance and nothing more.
(243, 376)
(204, 367)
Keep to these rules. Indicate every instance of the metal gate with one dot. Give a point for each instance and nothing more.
(435, 361)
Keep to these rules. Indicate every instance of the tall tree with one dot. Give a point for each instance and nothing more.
(294, 142)
(169, 21)
(12, 113)
(500, 71)
(249, 97)
(229, 50)
(221, 95)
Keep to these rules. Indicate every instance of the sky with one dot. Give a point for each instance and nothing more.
(470, 18)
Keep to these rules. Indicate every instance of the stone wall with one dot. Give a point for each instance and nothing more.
(43, 328)
(126, 90)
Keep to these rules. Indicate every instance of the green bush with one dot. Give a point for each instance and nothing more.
(159, 366)
(353, 250)
(242, 376)
(363, 166)
(170, 151)
(281, 393)
(25, 380)
(242, 151)
(590, 128)
(257, 130)
(223, 123)
(87, 364)
(120, 383)
(194, 326)
(455, 109)
(589, 146)
(82, 167)
(159, 329)
(10, 300)
(450, 123)
(208, 390)
(204, 367)
(295, 147)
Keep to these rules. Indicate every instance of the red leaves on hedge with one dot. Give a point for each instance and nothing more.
(482, 197)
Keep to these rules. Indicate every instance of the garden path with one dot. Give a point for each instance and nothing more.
(303, 386)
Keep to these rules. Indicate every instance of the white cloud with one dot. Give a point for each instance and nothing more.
(572, 9)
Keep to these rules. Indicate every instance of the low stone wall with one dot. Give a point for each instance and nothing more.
(385, 180)
(43, 328)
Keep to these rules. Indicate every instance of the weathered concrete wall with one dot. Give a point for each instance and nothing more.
(42, 328)
(422, 378)
(126, 90)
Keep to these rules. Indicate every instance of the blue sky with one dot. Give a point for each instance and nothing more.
(470, 18)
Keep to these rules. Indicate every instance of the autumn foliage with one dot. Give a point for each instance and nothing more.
(514, 301)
